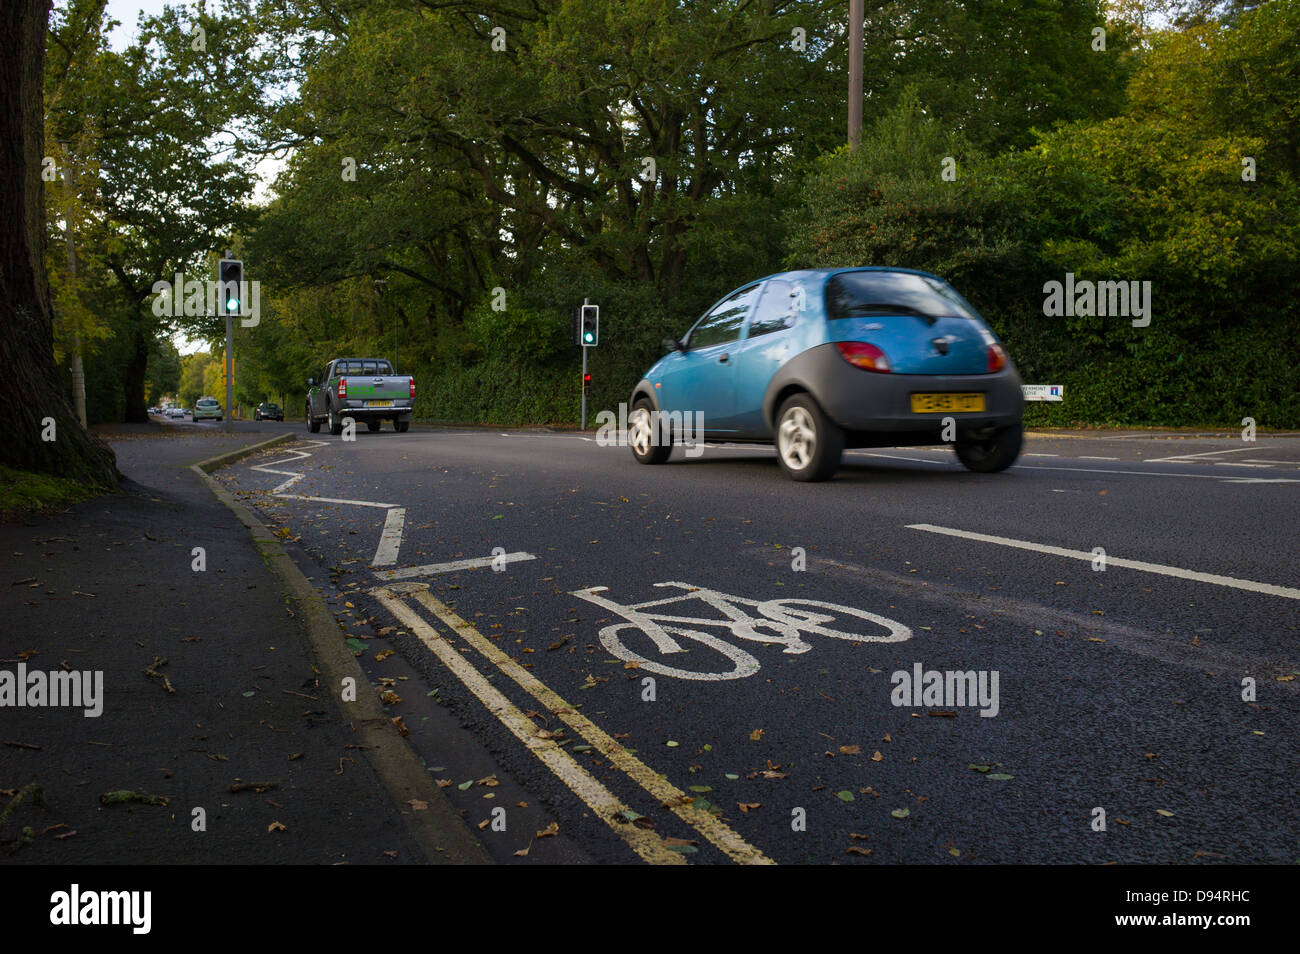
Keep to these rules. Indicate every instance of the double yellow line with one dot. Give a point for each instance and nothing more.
(604, 803)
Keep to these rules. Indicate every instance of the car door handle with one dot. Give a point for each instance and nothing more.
(723, 359)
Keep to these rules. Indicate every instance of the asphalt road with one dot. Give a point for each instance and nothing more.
(1119, 684)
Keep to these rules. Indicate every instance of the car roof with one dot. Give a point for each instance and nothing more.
(828, 272)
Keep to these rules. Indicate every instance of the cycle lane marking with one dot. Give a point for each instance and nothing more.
(603, 803)
(1269, 589)
(655, 784)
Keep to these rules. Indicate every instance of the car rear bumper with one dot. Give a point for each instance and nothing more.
(358, 410)
(866, 403)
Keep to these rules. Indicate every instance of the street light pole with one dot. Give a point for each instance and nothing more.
(856, 17)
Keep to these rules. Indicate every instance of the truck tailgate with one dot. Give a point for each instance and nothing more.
(365, 387)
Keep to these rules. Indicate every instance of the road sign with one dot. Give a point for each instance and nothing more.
(1043, 392)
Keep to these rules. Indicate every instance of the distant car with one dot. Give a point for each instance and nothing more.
(817, 361)
(174, 412)
(207, 408)
(268, 412)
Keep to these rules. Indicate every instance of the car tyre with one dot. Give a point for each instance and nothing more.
(401, 426)
(809, 445)
(335, 423)
(313, 425)
(641, 435)
(373, 426)
(992, 454)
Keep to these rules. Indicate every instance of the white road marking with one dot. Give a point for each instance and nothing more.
(1183, 457)
(338, 500)
(391, 539)
(1266, 588)
(432, 569)
(604, 803)
(1235, 463)
(919, 460)
(1148, 473)
(654, 783)
(1086, 457)
(1042, 455)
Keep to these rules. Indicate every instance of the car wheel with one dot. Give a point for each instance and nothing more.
(313, 425)
(373, 426)
(641, 427)
(335, 424)
(809, 445)
(994, 453)
(401, 426)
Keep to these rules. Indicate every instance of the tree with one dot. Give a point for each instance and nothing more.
(35, 403)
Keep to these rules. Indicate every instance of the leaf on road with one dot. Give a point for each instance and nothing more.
(383, 653)
(417, 805)
(844, 796)
(850, 750)
(746, 807)
(731, 775)
(490, 781)
(855, 850)
(901, 812)
(444, 782)
(399, 724)
(756, 735)
(980, 768)
(389, 698)
(701, 789)
(465, 786)
(275, 826)
(1165, 812)
(552, 829)
(129, 795)
(876, 756)
(523, 852)
(999, 776)
(671, 744)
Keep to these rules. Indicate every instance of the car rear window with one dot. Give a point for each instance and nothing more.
(207, 403)
(861, 294)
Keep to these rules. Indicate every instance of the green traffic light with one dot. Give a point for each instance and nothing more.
(232, 304)
(588, 336)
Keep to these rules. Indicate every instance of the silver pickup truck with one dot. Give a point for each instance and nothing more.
(364, 389)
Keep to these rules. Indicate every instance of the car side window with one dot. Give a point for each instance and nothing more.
(776, 309)
(723, 323)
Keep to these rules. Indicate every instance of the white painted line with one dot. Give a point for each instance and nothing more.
(604, 803)
(727, 840)
(1132, 473)
(1266, 588)
(391, 539)
(1236, 463)
(1086, 457)
(1275, 463)
(1042, 455)
(918, 460)
(1182, 458)
(432, 569)
(338, 500)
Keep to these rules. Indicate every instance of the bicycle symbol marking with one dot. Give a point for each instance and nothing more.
(780, 621)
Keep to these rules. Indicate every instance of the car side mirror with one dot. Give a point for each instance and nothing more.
(311, 382)
(671, 344)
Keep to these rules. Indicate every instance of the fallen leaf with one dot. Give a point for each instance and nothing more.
(855, 850)
(275, 826)
(876, 756)
(417, 805)
(1165, 812)
(746, 806)
(901, 812)
(844, 796)
(756, 735)
(851, 750)
(552, 829)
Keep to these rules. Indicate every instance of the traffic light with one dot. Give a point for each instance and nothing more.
(586, 384)
(590, 326)
(230, 284)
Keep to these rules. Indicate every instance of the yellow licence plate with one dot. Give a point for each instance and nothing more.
(946, 403)
(379, 404)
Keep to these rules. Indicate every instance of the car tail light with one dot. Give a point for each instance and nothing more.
(997, 357)
(343, 387)
(412, 389)
(865, 356)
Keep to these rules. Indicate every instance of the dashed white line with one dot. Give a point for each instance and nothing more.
(1269, 589)
(391, 539)
(1184, 457)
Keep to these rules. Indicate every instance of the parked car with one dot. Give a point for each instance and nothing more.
(174, 412)
(817, 361)
(365, 389)
(207, 408)
(268, 412)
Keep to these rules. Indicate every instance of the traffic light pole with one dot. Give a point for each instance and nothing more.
(230, 359)
(584, 373)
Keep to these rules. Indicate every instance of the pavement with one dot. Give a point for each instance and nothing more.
(217, 740)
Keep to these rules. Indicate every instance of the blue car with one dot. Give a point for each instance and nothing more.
(817, 361)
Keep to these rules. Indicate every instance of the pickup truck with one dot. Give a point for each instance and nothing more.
(364, 389)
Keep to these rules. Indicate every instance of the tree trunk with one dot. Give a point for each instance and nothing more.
(133, 380)
(42, 430)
